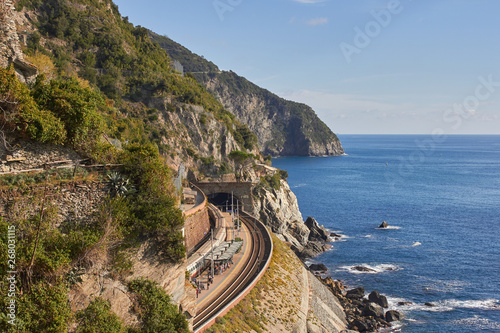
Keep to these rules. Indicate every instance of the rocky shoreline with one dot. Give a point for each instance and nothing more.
(363, 314)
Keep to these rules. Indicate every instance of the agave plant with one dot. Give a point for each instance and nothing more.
(74, 276)
(119, 185)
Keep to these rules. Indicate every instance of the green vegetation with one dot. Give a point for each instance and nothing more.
(240, 156)
(269, 182)
(123, 63)
(63, 111)
(98, 317)
(152, 210)
(21, 113)
(48, 259)
(99, 76)
(283, 174)
(44, 309)
(76, 106)
(155, 310)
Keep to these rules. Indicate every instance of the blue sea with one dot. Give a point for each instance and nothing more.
(441, 198)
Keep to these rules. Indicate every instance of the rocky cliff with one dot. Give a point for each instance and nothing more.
(195, 137)
(278, 208)
(10, 49)
(283, 128)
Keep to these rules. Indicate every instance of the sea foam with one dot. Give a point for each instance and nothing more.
(476, 322)
(442, 306)
(369, 269)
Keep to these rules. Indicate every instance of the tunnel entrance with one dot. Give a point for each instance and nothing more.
(223, 201)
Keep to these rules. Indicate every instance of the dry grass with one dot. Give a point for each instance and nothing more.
(274, 303)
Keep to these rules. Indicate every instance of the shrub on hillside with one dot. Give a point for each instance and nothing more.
(76, 105)
(98, 317)
(156, 312)
(20, 112)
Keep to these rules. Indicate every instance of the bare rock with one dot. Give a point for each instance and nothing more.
(356, 293)
(393, 315)
(384, 225)
(299, 231)
(318, 267)
(359, 325)
(317, 232)
(376, 298)
(373, 310)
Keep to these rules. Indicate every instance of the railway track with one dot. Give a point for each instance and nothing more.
(261, 249)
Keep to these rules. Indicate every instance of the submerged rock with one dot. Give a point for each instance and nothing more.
(363, 269)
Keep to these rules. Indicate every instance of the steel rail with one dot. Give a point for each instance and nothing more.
(242, 281)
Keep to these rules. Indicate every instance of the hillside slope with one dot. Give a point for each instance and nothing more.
(106, 95)
(283, 128)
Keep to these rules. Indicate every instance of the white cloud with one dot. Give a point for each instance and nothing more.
(317, 21)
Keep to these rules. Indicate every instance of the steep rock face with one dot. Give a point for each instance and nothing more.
(191, 127)
(282, 127)
(278, 208)
(10, 49)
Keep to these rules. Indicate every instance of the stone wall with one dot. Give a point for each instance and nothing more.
(76, 202)
(27, 154)
(196, 226)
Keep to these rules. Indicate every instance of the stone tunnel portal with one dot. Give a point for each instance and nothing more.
(220, 192)
(223, 201)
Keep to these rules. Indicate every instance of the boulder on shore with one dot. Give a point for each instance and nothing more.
(383, 225)
(373, 310)
(359, 325)
(318, 268)
(376, 298)
(356, 293)
(312, 249)
(317, 232)
(393, 315)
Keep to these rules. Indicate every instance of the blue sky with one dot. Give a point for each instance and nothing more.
(366, 66)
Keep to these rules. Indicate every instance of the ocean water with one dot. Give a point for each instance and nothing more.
(441, 197)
